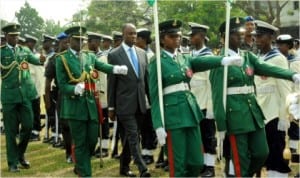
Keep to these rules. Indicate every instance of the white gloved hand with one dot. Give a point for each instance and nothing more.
(79, 88)
(294, 109)
(210, 115)
(161, 135)
(232, 61)
(120, 69)
(283, 124)
(221, 135)
(296, 78)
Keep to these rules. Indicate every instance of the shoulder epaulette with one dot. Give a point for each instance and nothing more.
(152, 59)
(87, 51)
(60, 53)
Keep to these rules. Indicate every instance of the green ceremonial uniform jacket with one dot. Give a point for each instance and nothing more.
(17, 85)
(71, 70)
(180, 108)
(243, 113)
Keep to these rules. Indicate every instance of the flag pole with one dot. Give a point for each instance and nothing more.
(158, 63)
(226, 47)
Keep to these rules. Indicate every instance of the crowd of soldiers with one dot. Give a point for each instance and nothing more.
(97, 89)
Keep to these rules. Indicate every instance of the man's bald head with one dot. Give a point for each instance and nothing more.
(129, 34)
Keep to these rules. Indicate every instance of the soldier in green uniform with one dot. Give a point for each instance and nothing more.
(181, 111)
(243, 119)
(76, 74)
(17, 91)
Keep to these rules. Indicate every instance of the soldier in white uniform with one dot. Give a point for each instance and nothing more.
(48, 49)
(271, 96)
(285, 45)
(148, 136)
(37, 75)
(106, 44)
(200, 86)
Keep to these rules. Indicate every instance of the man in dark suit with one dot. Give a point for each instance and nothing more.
(126, 98)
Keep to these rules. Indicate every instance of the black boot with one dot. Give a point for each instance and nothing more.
(209, 171)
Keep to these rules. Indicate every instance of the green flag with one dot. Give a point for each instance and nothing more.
(151, 2)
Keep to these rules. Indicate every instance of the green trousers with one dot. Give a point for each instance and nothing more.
(185, 152)
(84, 135)
(249, 152)
(14, 115)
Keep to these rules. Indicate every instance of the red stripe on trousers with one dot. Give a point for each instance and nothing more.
(235, 154)
(170, 154)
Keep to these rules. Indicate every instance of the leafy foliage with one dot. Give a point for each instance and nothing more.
(30, 21)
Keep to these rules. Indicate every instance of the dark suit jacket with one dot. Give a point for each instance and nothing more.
(127, 92)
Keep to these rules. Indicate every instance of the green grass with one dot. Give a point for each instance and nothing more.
(47, 161)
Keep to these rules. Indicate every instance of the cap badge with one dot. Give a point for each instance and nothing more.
(174, 23)
(237, 21)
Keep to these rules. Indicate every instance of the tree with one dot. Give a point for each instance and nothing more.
(210, 13)
(30, 21)
(52, 28)
(104, 16)
(268, 11)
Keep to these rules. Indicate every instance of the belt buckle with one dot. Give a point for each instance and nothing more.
(186, 87)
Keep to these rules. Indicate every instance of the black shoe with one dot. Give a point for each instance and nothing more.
(295, 158)
(34, 137)
(161, 164)
(69, 159)
(166, 168)
(47, 140)
(209, 171)
(97, 151)
(13, 169)
(104, 154)
(75, 171)
(24, 164)
(58, 144)
(148, 159)
(115, 156)
(145, 174)
(127, 174)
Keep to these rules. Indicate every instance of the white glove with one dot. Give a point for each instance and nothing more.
(232, 61)
(79, 88)
(221, 135)
(120, 69)
(294, 109)
(283, 124)
(210, 115)
(161, 135)
(296, 78)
